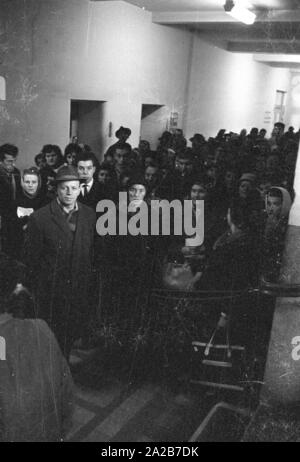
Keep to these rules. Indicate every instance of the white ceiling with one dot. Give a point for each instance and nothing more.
(275, 32)
(208, 5)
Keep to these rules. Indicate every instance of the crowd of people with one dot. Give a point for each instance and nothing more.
(49, 212)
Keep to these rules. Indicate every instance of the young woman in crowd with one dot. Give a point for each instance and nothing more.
(30, 199)
(125, 266)
(70, 153)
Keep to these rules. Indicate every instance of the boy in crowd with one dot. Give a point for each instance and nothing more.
(90, 188)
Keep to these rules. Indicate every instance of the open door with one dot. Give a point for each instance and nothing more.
(86, 123)
(153, 123)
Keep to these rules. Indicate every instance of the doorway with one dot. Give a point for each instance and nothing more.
(279, 108)
(86, 123)
(154, 120)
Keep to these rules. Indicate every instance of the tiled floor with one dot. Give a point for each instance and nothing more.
(113, 409)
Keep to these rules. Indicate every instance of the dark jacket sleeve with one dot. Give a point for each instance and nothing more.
(33, 246)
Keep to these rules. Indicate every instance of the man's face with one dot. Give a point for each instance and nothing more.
(9, 162)
(280, 130)
(109, 159)
(121, 157)
(51, 158)
(211, 172)
(124, 182)
(264, 189)
(184, 166)
(273, 207)
(198, 193)
(245, 188)
(103, 176)
(123, 136)
(197, 143)
(40, 162)
(137, 192)
(151, 175)
(229, 178)
(143, 147)
(211, 159)
(147, 161)
(50, 183)
(262, 133)
(68, 191)
(86, 170)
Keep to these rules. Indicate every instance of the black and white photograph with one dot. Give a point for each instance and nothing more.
(149, 223)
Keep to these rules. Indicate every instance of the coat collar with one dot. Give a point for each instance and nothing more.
(60, 220)
(58, 217)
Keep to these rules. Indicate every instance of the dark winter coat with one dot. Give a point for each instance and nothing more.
(61, 264)
(92, 198)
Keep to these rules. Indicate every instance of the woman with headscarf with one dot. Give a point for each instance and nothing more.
(277, 206)
(27, 201)
(126, 263)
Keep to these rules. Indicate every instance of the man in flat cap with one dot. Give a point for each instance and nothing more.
(58, 251)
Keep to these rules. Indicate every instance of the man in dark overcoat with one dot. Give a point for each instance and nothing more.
(10, 187)
(59, 253)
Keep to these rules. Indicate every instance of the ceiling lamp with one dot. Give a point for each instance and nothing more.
(239, 12)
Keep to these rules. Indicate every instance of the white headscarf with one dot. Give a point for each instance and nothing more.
(286, 201)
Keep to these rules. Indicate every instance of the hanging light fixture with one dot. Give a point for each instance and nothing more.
(239, 12)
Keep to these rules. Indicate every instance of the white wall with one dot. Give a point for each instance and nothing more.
(153, 125)
(60, 50)
(230, 90)
(293, 109)
(53, 51)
